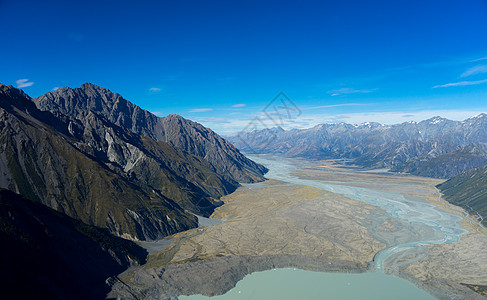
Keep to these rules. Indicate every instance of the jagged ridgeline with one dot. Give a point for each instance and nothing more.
(436, 147)
(184, 134)
(98, 158)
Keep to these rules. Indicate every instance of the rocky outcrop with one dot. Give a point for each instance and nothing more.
(184, 134)
(49, 255)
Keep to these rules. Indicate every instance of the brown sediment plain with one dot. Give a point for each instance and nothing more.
(443, 269)
(276, 224)
(267, 225)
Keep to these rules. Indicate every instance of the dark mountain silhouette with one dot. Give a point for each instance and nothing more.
(48, 255)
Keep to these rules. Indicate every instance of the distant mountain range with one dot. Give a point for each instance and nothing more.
(96, 157)
(436, 147)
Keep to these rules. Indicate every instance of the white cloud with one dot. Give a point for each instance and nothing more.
(198, 110)
(479, 59)
(155, 89)
(239, 105)
(475, 70)
(23, 83)
(346, 91)
(54, 88)
(157, 113)
(461, 83)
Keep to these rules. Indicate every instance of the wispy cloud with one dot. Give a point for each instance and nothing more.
(23, 83)
(157, 113)
(198, 110)
(239, 105)
(54, 88)
(155, 89)
(461, 83)
(475, 70)
(346, 91)
(479, 59)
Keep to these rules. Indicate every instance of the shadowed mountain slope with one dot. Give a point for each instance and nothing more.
(468, 190)
(48, 255)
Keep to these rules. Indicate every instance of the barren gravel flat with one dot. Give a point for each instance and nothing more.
(446, 267)
(278, 224)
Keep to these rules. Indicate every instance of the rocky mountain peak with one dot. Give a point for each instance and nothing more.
(87, 95)
(11, 97)
(477, 119)
(174, 117)
(479, 116)
(12, 91)
(436, 120)
(184, 134)
(91, 86)
(370, 125)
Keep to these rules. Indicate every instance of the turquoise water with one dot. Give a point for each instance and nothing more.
(298, 284)
(446, 225)
(293, 284)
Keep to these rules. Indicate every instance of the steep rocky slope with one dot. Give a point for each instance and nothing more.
(48, 166)
(468, 190)
(103, 174)
(184, 134)
(48, 255)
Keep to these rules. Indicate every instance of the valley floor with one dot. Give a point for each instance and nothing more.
(445, 267)
(277, 224)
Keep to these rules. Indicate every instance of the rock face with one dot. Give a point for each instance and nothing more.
(436, 147)
(469, 191)
(49, 255)
(103, 174)
(184, 134)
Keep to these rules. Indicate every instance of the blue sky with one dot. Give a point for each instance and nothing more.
(221, 62)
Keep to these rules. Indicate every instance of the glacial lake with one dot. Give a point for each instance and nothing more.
(292, 284)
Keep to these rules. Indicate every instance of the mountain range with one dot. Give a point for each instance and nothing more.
(436, 147)
(96, 157)
(84, 171)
